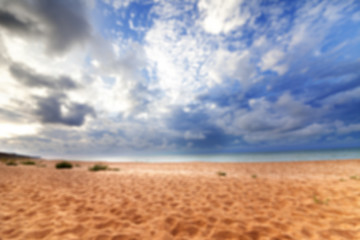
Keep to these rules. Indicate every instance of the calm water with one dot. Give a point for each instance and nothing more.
(248, 157)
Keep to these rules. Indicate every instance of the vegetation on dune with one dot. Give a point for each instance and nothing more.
(63, 164)
(221, 174)
(9, 156)
(98, 167)
(254, 176)
(13, 159)
(319, 201)
(355, 177)
(28, 162)
(11, 163)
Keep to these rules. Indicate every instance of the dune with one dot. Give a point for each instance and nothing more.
(178, 201)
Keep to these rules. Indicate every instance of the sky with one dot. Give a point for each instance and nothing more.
(81, 78)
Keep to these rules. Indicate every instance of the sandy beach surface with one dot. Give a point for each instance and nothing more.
(298, 200)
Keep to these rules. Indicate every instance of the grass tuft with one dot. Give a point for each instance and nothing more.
(355, 177)
(11, 163)
(114, 169)
(63, 164)
(319, 201)
(28, 162)
(254, 176)
(98, 167)
(221, 174)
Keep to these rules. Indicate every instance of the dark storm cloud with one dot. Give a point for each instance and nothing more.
(67, 22)
(63, 23)
(181, 120)
(324, 77)
(12, 22)
(55, 108)
(197, 121)
(49, 110)
(30, 78)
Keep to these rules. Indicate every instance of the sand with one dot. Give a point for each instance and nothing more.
(304, 200)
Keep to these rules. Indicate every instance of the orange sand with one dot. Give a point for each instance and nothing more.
(305, 200)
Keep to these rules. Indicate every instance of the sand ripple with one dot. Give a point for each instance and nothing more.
(284, 201)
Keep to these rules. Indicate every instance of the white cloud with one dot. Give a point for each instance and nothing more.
(314, 20)
(175, 59)
(118, 3)
(135, 88)
(224, 65)
(271, 60)
(222, 16)
(314, 129)
(183, 61)
(34, 55)
(121, 61)
(136, 28)
(299, 35)
(342, 97)
(261, 41)
(169, 9)
(345, 129)
(10, 130)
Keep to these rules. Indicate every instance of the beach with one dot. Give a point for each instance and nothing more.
(179, 201)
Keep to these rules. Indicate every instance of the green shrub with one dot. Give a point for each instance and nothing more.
(63, 164)
(28, 162)
(11, 163)
(254, 176)
(221, 174)
(98, 167)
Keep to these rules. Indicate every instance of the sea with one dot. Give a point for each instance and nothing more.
(283, 156)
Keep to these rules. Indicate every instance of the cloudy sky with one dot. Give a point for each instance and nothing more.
(110, 77)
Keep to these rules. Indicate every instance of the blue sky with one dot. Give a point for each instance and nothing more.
(109, 77)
